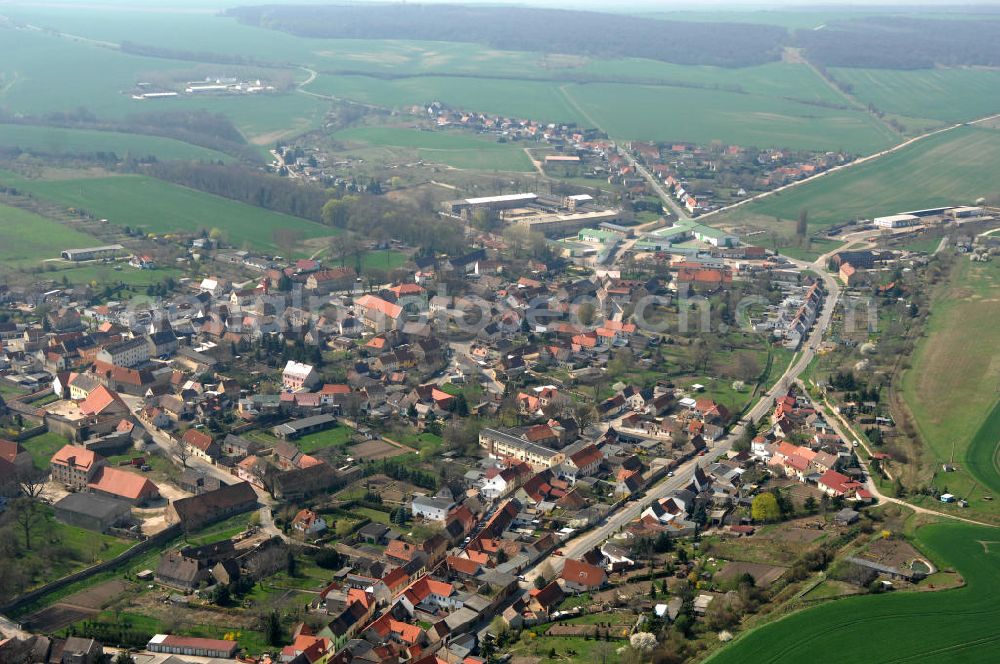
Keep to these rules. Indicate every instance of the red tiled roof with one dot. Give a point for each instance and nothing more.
(582, 574)
(406, 289)
(463, 565)
(9, 450)
(586, 456)
(99, 400)
(75, 456)
(835, 481)
(378, 304)
(198, 439)
(395, 578)
(123, 483)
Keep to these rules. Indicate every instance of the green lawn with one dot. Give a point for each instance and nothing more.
(221, 530)
(338, 436)
(922, 243)
(567, 649)
(951, 385)
(159, 207)
(952, 168)
(946, 626)
(383, 260)
(103, 274)
(58, 549)
(254, 641)
(816, 248)
(26, 238)
(375, 515)
(9, 389)
(43, 446)
(421, 441)
(55, 140)
(459, 150)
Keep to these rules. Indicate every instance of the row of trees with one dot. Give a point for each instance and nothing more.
(246, 185)
(198, 127)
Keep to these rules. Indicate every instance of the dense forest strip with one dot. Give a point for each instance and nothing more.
(896, 42)
(524, 29)
(886, 41)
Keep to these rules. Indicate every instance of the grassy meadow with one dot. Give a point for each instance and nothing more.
(951, 168)
(951, 386)
(955, 625)
(55, 140)
(26, 238)
(159, 207)
(459, 150)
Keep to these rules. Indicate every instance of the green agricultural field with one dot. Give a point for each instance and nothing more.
(950, 168)
(41, 74)
(951, 386)
(160, 207)
(682, 114)
(264, 119)
(654, 112)
(55, 140)
(953, 95)
(460, 150)
(776, 79)
(26, 238)
(946, 626)
(538, 100)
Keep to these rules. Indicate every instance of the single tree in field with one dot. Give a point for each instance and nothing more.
(183, 453)
(272, 628)
(286, 239)
(802, 225)
(765, 507)
(27, 514)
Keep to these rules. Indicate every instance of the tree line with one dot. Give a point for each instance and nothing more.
(197, 127)
(246, 185)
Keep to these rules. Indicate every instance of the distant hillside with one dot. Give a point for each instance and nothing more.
(523, 29)
(887, 41)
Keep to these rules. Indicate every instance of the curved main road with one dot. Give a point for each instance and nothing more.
(577, 546)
